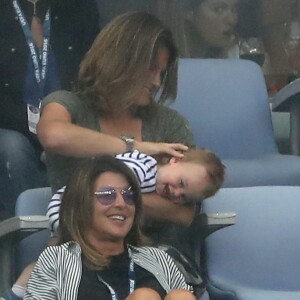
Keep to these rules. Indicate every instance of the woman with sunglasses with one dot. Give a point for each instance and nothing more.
(100, 254)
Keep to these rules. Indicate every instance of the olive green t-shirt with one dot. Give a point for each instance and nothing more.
(159, 124)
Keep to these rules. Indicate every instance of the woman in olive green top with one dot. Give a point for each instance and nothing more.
(132, 58)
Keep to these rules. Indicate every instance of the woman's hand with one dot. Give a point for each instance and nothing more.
(150, 148)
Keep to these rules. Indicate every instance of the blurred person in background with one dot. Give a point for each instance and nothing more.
(202, 28)
(42, 44)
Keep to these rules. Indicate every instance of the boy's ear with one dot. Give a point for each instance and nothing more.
(174, 160)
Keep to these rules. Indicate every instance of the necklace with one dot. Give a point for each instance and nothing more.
(34, 2)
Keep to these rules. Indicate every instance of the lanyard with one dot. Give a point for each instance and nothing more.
(39, 60)
(131, 284)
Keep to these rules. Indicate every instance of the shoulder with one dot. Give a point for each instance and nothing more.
(157, 254)
(59, 248)
(152, 257)
(158, 262)
(58, 194)
(60, 97)
(59, 256)
(136, 156)
(69, 100)
(140, 162)
(65, 249)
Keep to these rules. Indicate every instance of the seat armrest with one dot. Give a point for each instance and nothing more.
(11, 232)
(203, 225)
(289, 94)
(219, 218)
(22, 226)
(211, 222)
(288, 100)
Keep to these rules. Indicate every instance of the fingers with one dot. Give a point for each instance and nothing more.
(175, 153)
(176, 150)
(180, 147)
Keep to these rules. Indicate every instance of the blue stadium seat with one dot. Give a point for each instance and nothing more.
(227, 105)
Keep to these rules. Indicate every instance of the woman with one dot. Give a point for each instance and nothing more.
(99, 255)
(113, 108)
(203, 28)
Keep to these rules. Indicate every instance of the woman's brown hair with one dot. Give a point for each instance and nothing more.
(115, 69)
(77, 206)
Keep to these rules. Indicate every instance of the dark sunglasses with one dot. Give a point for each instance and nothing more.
(108, 195)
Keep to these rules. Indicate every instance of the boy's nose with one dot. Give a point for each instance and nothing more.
(177, 192)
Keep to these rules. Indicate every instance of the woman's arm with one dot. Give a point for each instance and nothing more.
(53, 210)
(157, 207)
(57, 134)
(57, 274)
(42, 283)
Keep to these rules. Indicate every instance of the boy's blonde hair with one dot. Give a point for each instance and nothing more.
(213, 165)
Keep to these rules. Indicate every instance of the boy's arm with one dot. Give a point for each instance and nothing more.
(157, 207)
(144, 167)
(53, 209)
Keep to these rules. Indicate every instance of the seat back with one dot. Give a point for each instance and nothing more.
(226, 103)
(32, 202)
(261, 251)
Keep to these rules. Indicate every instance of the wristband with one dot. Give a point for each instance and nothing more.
(129, 141)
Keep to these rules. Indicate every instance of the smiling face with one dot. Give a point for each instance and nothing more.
(155, 76)
(181, 180)
(215, 21)
(111, 222)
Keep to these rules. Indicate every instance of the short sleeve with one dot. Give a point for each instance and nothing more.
(143, 166)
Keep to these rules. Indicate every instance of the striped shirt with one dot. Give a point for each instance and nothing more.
(57, 273)
(143, 166)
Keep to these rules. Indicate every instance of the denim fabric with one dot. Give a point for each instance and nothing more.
(20, 168)
(9, 295)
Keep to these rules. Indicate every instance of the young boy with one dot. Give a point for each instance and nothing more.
(198, 175)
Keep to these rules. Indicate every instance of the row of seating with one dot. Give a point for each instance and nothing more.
(227, 105)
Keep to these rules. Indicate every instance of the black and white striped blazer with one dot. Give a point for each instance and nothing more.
(57, 273)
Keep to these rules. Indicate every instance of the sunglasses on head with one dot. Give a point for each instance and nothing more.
(108, 195)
